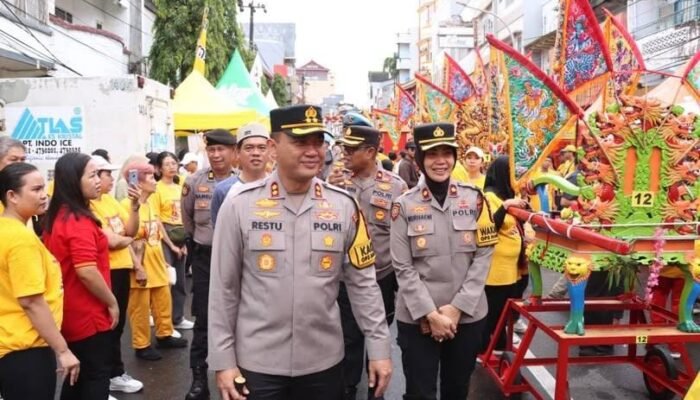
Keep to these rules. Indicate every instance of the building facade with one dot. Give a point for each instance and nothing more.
(71, 37)
(441, 29)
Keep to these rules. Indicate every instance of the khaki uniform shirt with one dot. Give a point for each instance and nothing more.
(197, 193)
(275, 276)
(435, 254)
(375, 196)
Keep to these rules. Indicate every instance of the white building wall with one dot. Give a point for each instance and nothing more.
(113, 17)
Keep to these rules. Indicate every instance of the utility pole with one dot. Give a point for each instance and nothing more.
(253, 8)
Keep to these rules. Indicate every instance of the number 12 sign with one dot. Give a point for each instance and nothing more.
(643, 199)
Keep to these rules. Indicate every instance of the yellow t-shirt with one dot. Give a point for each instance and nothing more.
(2, 208)
(504, 264)
(153, 257)
(26, 268)
(460, 174)
(113, 217)
(566, 168)
(50, 187)
(166, 200)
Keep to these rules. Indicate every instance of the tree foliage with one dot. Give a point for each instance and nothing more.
(175, 33)
(390, 65)
(279, 90)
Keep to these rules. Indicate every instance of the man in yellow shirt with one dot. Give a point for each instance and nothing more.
(568, 161)
(119, 225)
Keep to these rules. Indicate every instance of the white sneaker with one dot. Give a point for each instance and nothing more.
(516, 340)
(125, 383)
(184, 325)
(176, 334)
(520, 326)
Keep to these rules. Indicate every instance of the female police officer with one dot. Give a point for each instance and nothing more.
(441, 247)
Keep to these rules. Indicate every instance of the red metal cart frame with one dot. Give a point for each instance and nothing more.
(506, 370)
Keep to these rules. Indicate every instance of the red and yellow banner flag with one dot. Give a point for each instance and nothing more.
(536, 111)
(456, 82)
(627, 61)
(583, 63)
(405, 109)
(480, 78)
(432, 103)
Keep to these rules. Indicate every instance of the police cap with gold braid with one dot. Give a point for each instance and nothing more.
(297, 120)
(427, 136)
(219, 136)
(357, 135)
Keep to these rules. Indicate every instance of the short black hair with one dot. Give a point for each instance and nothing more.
(392, 156)
(102, 153)
(69, 171)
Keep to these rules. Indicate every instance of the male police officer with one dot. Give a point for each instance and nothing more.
(281, 246)
(252, 157)
(374, 189)
(196, 217)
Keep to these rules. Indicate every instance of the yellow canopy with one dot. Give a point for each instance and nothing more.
(198, 106)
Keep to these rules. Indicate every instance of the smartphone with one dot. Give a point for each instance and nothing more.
(133, 177)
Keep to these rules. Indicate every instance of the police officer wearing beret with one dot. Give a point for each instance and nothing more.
(196, 217)
(281, 247)
(442, 238)
(374, 189)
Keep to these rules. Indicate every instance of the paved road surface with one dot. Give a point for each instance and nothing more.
(169, 378)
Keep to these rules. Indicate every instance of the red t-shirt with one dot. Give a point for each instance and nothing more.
(79, 242)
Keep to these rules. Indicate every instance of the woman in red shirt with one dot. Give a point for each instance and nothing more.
(75, 238)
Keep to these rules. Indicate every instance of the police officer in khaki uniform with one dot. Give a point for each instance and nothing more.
(442, 239)
(281, 246)
(374, 189)
(196, 217)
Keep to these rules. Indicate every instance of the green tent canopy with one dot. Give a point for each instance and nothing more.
(237, 85)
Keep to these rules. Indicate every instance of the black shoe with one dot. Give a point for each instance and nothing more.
(171, 342)
(200, 385)
(149, 354)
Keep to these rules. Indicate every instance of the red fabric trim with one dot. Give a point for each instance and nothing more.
(623, 31)
(432, 85)
(385, 112)
(532, 68)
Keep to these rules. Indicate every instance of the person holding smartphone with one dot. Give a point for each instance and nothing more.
(119, 224)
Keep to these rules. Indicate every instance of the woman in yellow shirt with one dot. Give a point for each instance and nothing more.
(502, 281)
(31, 295)
(166, 201)
(150, 289)
(119, 225)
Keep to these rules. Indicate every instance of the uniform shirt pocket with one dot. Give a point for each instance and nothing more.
(423, 239)
(267, 251)
(326, 253)
(465, 238)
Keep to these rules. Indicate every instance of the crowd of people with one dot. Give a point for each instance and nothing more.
(302, 253)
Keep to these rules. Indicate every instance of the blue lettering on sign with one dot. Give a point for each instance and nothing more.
(31, 127)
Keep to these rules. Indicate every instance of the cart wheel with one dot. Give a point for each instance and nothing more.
(504, 363)
(659, 360)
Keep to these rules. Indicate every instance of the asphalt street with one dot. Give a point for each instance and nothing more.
(170, 377)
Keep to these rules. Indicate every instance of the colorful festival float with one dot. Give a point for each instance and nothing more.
(634, 199)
